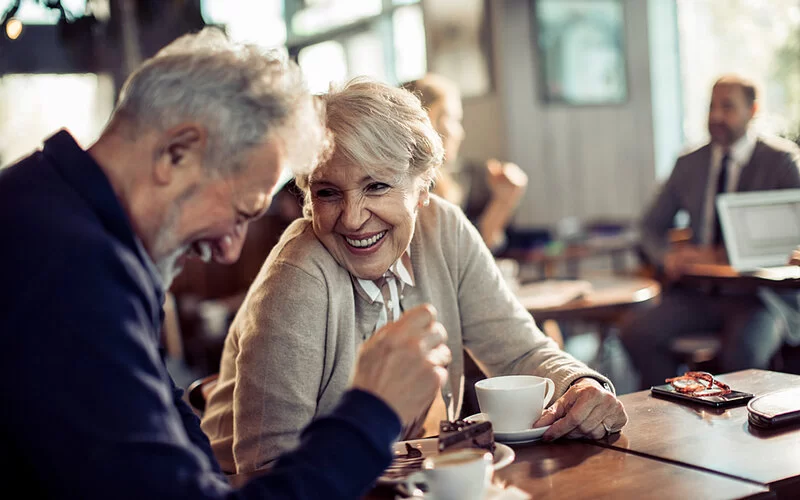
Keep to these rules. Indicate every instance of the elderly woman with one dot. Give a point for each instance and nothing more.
(373, 244)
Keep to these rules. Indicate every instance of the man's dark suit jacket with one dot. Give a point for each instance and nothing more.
(775, 164)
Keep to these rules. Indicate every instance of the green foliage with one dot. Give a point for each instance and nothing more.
(787, 73)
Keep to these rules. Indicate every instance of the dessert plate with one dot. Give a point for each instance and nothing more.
(407, 460)
(516, 437)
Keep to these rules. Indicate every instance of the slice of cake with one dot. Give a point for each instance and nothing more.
(461, 434)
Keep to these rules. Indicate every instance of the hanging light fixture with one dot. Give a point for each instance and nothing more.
(11, 25)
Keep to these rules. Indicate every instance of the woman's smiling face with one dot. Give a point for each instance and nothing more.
(365, 223)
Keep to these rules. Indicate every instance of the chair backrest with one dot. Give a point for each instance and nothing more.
(199, 390)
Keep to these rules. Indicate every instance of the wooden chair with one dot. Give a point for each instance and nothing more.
(199, 390)
(697, 351)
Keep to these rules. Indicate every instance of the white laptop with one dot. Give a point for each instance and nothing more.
(760, 229)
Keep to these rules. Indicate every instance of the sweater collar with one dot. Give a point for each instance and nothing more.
(86, 177)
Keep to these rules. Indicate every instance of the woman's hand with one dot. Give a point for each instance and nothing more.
(585, 410)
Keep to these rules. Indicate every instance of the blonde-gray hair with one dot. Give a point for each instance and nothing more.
(382, 129)
(242, 94)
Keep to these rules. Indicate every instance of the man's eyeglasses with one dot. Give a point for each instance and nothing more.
(699, 384)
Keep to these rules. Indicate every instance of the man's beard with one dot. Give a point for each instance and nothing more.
(169, 267)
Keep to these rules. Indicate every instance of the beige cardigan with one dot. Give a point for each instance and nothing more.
(293, 344)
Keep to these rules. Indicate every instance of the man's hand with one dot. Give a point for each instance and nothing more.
(404, 363)
(680, 258)
(585, 410)
(794, 259)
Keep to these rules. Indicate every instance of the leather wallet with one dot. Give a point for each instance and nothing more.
(775, 409)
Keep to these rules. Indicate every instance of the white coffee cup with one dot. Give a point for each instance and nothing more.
(514, 402)
(454, 475)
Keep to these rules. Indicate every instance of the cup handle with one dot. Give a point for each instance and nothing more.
(413, 480)
(551, 388)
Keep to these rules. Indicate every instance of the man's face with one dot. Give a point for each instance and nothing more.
(729, 114)
(209, 218)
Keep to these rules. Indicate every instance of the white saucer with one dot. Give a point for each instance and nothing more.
(503, 456)
(516, 437)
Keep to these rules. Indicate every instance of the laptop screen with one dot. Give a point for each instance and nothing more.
(760, 228)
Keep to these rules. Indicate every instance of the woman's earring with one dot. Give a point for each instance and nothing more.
(426, 202)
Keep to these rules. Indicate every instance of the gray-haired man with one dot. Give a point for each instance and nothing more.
(93, 238)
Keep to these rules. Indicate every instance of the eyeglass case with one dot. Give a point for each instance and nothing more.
(775, 409)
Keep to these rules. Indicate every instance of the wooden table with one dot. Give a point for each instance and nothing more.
(577, 469)
(716, 440)
(723, 275)
(667, 451)
(572, 469)
(609, 297)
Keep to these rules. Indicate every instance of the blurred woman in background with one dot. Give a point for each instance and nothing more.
(506, 182)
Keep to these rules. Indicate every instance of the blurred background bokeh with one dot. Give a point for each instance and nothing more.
(593, 99)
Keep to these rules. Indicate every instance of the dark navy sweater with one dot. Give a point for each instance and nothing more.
(88, 409)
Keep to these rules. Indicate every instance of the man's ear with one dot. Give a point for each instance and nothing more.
(753, 109)
(183, 146)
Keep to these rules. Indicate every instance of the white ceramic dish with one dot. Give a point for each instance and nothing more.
(503, 456)
(517, 437)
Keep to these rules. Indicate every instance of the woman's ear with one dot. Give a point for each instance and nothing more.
(424, 198)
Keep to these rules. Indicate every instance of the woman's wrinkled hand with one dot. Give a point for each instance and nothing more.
(586, 410)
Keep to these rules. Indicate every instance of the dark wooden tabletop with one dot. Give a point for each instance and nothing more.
(575, 469)
(723, 275)
(718, 440)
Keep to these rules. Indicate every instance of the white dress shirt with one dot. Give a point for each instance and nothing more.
(739, 155)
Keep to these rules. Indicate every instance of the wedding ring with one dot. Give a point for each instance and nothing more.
(608, 430)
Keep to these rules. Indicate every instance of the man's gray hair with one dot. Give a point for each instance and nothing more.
(241, 93)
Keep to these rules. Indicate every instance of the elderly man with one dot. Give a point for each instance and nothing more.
(736, 159)
(93, 238)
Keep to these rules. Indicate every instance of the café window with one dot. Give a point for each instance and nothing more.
(335, 40)
(760, 40)
(33, 107)
(31, 12)
(260, 22)
(332, 40)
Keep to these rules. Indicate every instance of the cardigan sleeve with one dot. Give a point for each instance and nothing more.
(497, 330)
(279, 364)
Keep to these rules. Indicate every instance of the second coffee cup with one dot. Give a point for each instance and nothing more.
(514, 402)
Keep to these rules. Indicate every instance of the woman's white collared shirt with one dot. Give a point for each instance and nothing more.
(388, 289)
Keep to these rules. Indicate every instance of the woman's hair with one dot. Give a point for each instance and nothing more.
(382, 129)
(432, 88)
(243, 95)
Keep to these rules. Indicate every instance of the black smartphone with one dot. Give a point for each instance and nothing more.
(733, 398)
